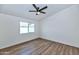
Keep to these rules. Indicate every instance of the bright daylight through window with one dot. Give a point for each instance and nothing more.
(26, 27)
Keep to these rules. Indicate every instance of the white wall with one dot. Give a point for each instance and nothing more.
(62, 27)
(9, 31)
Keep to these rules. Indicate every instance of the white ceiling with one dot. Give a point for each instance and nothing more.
(21, 10)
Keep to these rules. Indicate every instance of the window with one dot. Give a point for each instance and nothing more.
(26, 27)
(23, 27)
(31, 27)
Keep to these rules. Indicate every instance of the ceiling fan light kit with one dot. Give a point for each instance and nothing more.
(37, 13)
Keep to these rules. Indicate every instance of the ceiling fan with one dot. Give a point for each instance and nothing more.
(38, 10)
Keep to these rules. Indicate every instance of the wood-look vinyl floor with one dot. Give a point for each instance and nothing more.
(40, 47)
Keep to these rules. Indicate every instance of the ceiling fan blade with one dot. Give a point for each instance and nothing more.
(43, 8)
(35, 6)
(32, 11)
(42, 12)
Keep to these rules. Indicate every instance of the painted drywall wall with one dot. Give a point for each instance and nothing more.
(62, 27)
(9, 30)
